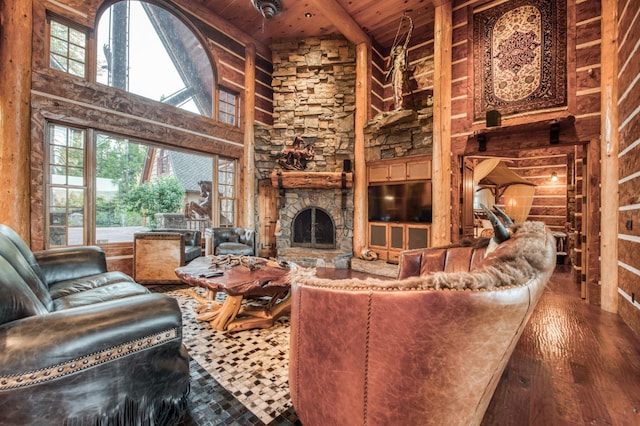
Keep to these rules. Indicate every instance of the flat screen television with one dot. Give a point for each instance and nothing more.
(400, 202)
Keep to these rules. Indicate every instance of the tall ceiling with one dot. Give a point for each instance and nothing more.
(379, 19)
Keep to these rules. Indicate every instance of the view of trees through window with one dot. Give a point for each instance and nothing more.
(130, 186)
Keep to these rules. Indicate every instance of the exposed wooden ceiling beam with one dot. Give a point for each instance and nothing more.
(333, 11)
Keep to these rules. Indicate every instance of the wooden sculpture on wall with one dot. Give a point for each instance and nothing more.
(296, 157)
(398, 59)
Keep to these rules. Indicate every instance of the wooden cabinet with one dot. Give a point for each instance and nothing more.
(418, 169)
(399, 169)
(389, 239)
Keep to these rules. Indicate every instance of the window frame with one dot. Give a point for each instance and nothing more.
(88, 47)
(220, 102)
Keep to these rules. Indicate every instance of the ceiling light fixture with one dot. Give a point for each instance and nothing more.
(308, 15)
(268, 8)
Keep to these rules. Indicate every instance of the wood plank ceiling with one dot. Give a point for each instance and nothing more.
(379, 19)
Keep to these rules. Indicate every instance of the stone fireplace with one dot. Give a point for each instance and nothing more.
(314, 99)
(315, 230)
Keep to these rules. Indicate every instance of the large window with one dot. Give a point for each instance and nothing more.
(67, 48)
(103, 188)
(146, 50)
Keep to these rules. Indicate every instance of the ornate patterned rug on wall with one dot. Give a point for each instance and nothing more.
(251, 365)
(520, 57)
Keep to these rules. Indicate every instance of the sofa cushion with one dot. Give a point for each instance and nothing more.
(69, 287)
(234, 248)
(112, 291)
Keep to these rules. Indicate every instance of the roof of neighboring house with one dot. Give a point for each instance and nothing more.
(190, 168)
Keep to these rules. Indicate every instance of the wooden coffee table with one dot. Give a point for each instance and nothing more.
(264, 291)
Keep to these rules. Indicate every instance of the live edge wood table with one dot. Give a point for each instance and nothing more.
(266, 284)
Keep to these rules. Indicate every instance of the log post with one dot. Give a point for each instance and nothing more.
(363, 83)
(609, 158)
(15, 88)
(247, 219)
(442, 125)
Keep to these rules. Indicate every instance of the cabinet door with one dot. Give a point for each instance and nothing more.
(378, 173)
(396, 237)
(378, 235)
(419, 169)
(418, 237)
(398, 171)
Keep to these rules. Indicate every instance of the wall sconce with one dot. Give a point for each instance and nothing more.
(554, 134)
(482, 142)
(554, 177)
(268, 8)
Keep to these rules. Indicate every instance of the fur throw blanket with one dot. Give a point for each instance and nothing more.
(528, 254)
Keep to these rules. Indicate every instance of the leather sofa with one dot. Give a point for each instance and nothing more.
(158, 252)
(427, 348)
(81, 345)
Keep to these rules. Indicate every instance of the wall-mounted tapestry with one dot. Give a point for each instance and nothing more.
(520, 60)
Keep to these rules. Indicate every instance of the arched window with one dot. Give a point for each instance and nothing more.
(146, 50)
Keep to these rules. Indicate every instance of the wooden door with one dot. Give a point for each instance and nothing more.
(267, 218)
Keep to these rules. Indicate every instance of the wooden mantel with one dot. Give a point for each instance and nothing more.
(311, 180)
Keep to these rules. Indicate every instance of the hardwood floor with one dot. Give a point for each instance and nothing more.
(574, 365)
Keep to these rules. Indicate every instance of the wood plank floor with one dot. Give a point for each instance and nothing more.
(575, 364)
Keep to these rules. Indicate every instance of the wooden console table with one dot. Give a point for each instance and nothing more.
(240, 284)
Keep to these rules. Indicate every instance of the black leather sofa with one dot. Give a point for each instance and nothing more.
(80, 345)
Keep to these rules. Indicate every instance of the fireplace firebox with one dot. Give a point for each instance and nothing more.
(314, 228)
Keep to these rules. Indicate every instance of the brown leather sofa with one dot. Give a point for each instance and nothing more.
(425, 349)
(81, 345)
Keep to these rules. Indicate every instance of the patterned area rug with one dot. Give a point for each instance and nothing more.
(252, 365)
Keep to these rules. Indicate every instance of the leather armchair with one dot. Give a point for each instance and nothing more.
(81, 345)
(235, 241)
(425, 349)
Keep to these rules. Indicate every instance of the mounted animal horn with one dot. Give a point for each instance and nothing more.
(500, 232)
(505, 217)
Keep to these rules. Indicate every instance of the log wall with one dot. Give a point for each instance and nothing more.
(629, 163)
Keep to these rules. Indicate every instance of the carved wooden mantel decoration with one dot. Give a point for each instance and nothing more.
(311, 180)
